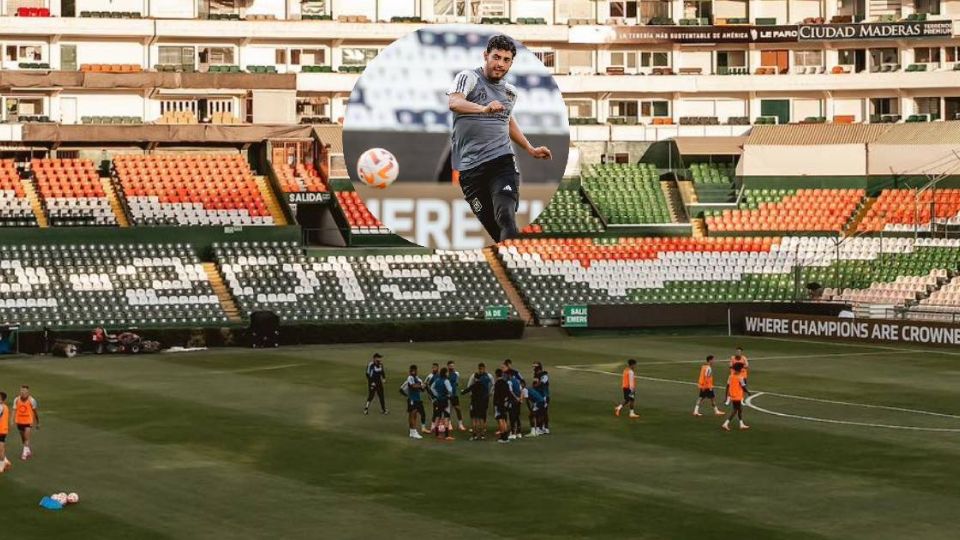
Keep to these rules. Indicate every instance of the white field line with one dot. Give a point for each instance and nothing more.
(748, 402)
(861, 345)
(787, 357)
(255, 369)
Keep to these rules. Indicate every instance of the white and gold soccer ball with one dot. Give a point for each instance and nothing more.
(377, 168)
(73, 498)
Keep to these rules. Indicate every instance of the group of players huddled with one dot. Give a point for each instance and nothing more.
(736, 389)
(506, 386)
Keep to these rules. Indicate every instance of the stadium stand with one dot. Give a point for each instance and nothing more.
(15, 208)
(627, 193)
(566, 213)
(116, 285)
(358, 216)
(72, 192)
(901, 291)
(789, 210)
(171, 189)
(713, 182)
(551, 273)
(946, 299)
(302, 178)
(903, 209)
(301, 288)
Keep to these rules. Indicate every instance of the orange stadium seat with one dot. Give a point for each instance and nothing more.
(72, 192)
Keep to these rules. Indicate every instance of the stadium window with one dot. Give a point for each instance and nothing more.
(732, 59)
(926, 55)
(624, 59)
(313, 7)
(881, 106)
(176, 55)
(885, 56)
(928, 105)
(579, 108)
(215, 56)
(624, 108)
(698, 9)
(928, 7)
(951, 108)
(655, 59)
(621, 9)
(24, 53)
(312, 57)
(952, 54)
(280, 58)
(655, 109)
(654, 9)
(808, 58)
(450, 8)
(358, 56)
(21, 106)
(548, 58)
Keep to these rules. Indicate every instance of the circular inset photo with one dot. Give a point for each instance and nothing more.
(456, 137)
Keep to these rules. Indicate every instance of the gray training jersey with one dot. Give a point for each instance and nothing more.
(478, 138)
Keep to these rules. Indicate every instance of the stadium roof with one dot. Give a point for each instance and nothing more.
(331, 134)
(161, 133)
(710, 146)
(822, 134)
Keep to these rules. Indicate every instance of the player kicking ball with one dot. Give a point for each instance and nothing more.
(736, 389)
(705, 384)
(629, 384)
(482, 103)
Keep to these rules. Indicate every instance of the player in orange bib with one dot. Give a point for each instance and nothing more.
(741, 360)
(705, 384)
(27, 418)
(4, 430)
(629, 385)
(736, 391)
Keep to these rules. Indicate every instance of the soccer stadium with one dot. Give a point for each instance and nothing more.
(193, 282)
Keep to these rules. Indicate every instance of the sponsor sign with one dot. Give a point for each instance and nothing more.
(866, 31)
(631, 35)
(307, 198)
(496, 313)
(437, 216)
(875, 330)
(574, 317)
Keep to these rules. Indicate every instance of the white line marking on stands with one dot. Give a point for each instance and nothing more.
(749, 399)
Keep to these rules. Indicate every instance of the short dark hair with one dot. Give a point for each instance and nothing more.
(25, 386)
(413, 367)
(631, 362)
(709, 358)
(377, 356)
(501, 42)
(481, 364)
(508, 362)
(443, 372)
(436, 365)
(449, 362)
(3, 397)
(498, 372)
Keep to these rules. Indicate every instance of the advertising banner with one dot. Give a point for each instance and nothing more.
(867, 31)
(636, 35)
(574, 317)
(875, 330)
(496, 313)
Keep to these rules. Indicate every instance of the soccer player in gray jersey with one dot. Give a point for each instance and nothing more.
(483, 128)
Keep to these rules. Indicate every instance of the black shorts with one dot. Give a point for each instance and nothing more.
(629, 395)
(3, 438)
(415, 406)
(492, 189)
(707, 393)
(500, 413)
(443, 406)
(22, 427)
(478, 409)
(737, 405)
(455, 401)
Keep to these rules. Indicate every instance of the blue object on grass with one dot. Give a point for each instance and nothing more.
(50, 504)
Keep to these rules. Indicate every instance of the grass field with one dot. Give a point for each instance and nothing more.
(857, 441)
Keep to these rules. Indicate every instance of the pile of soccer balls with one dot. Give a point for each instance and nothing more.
(65, 499)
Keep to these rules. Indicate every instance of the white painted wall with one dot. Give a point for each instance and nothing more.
(697, 107)
(397, 8)
(804, 108)
(111, 5)
(801, 9)
(173, 9)
(355, 7)
(108, 104)
(814, 160)
(260, 56)
(276, 8)
(121, 52)
(532, 8)
(731, 107)
(725, 9)
(930, 158)
(695, 59)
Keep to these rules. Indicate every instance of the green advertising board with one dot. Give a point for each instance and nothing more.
(574, 317)
(496, 313)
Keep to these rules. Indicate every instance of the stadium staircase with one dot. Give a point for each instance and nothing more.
(699, 229)
(512, 294)
(220, 289)
(273, 205)
(38, 211)
(687, 192)
(115, 204)
(671, 193)
(854, 224)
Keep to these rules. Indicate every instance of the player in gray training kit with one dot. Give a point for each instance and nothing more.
(483, 128)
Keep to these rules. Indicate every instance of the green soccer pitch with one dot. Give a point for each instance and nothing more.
(847, 441)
